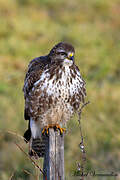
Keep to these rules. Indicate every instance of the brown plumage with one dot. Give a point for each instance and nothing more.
(53, 90)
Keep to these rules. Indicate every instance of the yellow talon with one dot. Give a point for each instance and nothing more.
(46, 128)
(55, 126)
(43, 131)
(61, 129)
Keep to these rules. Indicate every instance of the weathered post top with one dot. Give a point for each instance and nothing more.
(54, 156)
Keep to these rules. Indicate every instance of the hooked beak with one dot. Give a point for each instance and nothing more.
(71, 56)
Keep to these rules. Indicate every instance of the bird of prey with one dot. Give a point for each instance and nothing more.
(53, 90)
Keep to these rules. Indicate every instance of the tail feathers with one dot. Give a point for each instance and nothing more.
(38, 147)
(27, 135)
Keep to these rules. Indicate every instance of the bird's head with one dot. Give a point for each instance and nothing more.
(62, 52)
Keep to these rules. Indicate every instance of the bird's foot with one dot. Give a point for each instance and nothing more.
(55, 126)
(46, 130)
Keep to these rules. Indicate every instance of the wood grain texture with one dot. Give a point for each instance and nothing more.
(54, 156)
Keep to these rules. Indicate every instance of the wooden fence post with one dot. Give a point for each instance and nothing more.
(54, 156)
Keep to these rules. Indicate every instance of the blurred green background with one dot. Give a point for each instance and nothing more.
(30, 28)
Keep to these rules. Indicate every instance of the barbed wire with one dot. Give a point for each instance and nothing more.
(80, 166)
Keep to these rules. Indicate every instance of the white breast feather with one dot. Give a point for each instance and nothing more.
(54, 90)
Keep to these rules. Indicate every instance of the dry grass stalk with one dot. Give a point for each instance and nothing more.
(33, 162)
(11, 176)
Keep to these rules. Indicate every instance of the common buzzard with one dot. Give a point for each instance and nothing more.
(53, 90)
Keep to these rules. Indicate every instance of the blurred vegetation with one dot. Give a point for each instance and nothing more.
(30, 28)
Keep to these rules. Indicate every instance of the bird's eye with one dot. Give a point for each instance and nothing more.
(63, 54)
